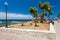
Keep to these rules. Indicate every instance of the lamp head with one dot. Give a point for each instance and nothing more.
(6, 3)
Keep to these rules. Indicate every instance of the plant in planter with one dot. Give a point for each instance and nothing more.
(34, 14)
(52, 22)
(36, 21)
(22, 24)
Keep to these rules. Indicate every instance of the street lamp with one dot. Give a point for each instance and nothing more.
(6, 4)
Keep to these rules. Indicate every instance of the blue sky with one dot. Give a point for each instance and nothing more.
(21, 7)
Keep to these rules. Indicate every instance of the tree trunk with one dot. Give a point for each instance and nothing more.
(22, 24)
(42, 16)
(35, 24)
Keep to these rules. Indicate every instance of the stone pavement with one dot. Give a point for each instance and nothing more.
(12, 36)
(57, 29)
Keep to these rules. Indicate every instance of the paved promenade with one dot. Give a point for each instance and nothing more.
(57, 29)
(11, 36)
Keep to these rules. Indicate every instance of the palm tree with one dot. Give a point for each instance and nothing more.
(34, 13)
(58, 15)
(45, 7)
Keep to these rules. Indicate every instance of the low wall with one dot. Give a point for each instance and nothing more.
(39, 34)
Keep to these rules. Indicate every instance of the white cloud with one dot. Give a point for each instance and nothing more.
(14, 16)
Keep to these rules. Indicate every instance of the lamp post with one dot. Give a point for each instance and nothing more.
(6, 4)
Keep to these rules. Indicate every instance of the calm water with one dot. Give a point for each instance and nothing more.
(3, 22)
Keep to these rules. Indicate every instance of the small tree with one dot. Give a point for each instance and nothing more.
(22, 24)
(36, 21)
(34, 13)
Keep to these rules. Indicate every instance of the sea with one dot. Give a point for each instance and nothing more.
(9, 22)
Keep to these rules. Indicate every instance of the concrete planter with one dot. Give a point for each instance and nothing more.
(26, 34)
